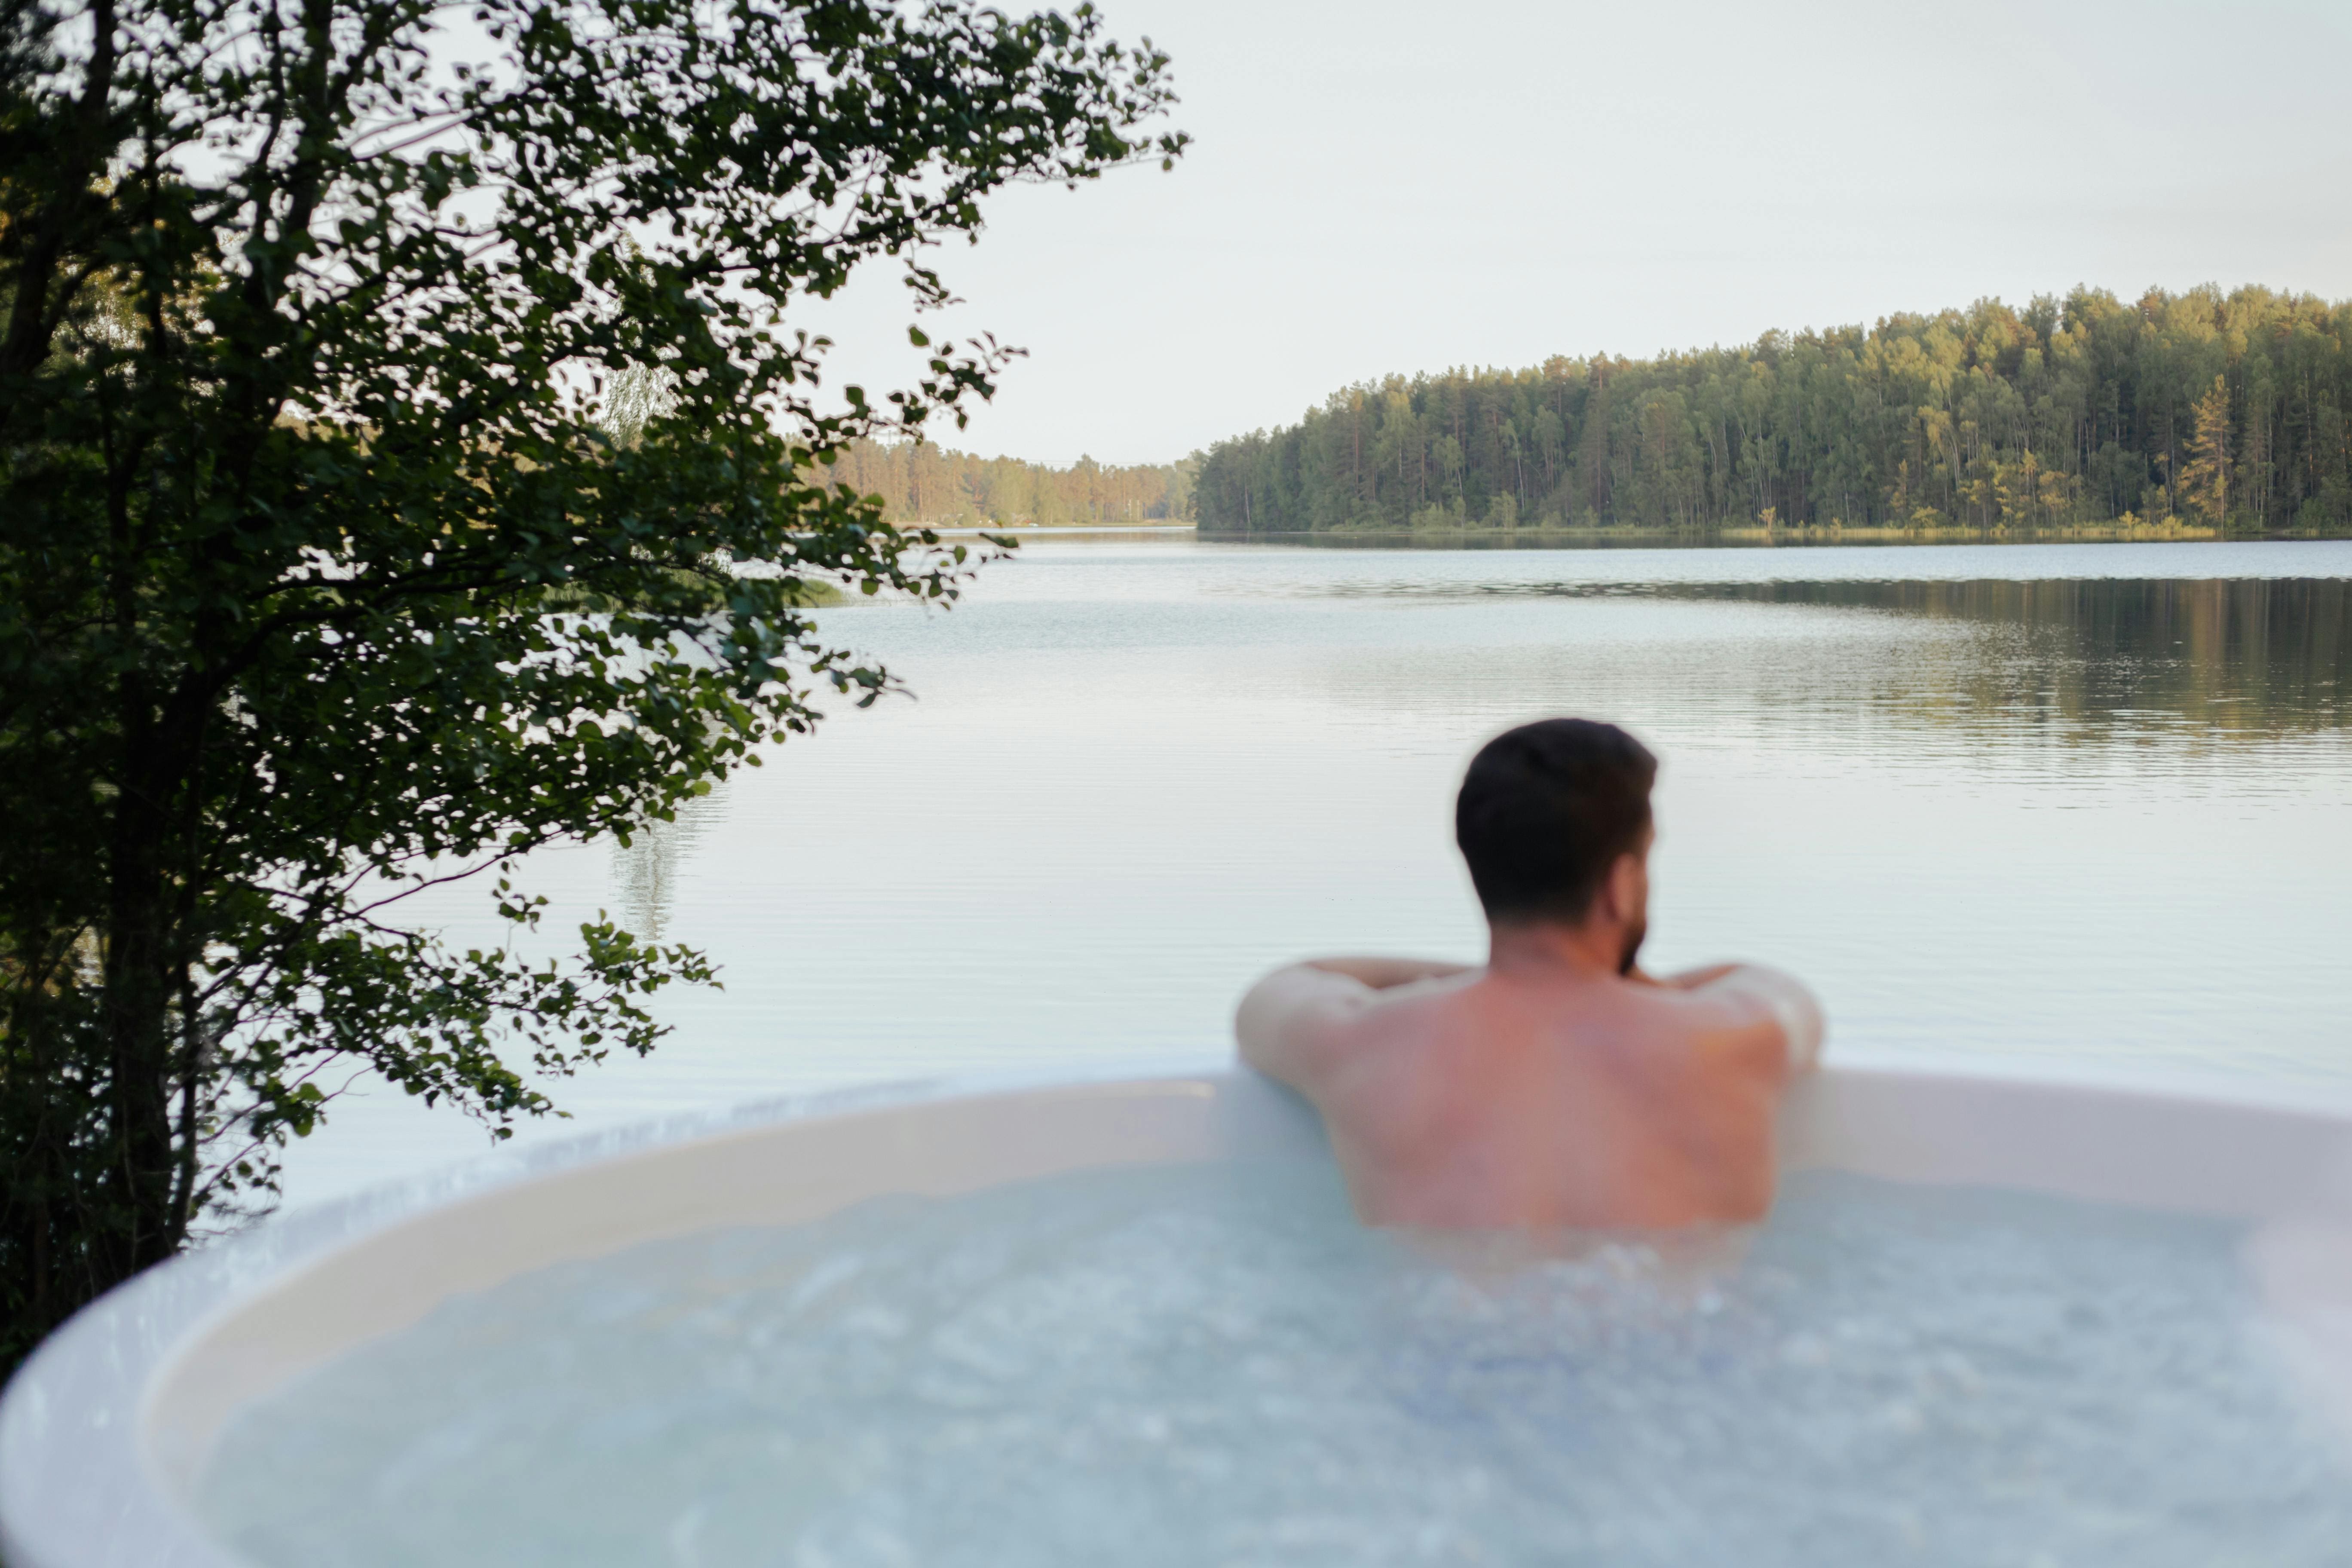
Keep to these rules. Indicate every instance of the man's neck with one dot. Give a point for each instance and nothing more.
(1594, 949)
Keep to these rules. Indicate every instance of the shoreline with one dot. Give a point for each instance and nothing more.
(1748, 536)
(2088, 533)
(1035, 532)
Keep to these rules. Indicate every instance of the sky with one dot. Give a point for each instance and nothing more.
(1378, 187)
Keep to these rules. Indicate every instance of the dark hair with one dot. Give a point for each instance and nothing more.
(1545, 810)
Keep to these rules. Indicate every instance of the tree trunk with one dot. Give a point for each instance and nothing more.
(141, 980)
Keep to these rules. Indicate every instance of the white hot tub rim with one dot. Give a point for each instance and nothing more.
(79, 1487)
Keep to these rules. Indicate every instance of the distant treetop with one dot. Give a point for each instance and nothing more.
(2222, 411)
(923, 484)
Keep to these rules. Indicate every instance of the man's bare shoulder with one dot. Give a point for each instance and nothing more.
(1292, 1021)
(1744, 1009)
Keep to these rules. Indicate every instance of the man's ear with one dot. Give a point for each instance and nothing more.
(1620, 890)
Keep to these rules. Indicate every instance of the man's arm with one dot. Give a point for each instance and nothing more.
(1762, 994)
(1287, 1016)
(1381, 974)
(1692, 979)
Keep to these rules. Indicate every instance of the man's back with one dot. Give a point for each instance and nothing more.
(1541, 1096)
(1560, 1085)
(1538, 1093)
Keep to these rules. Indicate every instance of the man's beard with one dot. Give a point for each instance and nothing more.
(1633, 946)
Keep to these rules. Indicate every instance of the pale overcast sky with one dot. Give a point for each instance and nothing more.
(1378, 186)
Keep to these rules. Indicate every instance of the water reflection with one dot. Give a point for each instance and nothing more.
(2117, 658)
(1526, 541)
(2268, 657)
(645, 873)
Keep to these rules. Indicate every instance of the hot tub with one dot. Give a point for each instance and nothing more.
(105, 1431)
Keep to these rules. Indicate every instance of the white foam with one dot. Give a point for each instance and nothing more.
(1216, 1365)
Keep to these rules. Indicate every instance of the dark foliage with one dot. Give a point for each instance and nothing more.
(403, 464)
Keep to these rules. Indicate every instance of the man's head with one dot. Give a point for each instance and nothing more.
(1554, 819)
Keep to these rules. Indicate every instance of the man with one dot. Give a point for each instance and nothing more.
(1558, 1086)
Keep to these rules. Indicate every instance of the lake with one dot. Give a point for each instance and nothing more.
(2087, 807)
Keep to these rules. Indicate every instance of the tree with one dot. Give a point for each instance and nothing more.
(2205, 477)
(2063, 414)
(331, 567)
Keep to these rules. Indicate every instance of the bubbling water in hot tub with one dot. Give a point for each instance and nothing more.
(1215, 1364)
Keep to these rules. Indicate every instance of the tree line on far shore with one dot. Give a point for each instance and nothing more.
(918, 483)
(2223, 411)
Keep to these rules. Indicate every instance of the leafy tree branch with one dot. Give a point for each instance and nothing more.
(406, 463)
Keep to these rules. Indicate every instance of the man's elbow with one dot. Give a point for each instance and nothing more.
(1266, 1023)
(1258, 1034)
(1794, 1013)
(1807, 1027)
(1250, 1032)
(1247, 1042)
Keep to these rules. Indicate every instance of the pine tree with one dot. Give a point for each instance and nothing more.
(2205, 477)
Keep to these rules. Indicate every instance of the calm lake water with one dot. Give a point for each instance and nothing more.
(2089, 805)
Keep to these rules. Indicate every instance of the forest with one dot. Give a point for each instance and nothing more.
(2221, 412)
(920, 483)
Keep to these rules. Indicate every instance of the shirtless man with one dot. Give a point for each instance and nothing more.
(1558, 1086)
